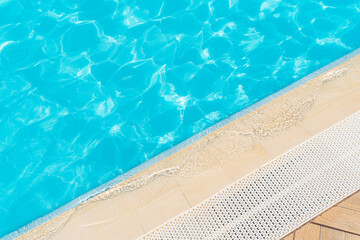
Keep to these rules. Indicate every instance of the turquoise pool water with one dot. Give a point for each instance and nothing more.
(91, 89)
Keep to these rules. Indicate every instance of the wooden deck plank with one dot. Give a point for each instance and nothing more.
(331, 234)
(308, 232)
(352, 236)
(352, 202)
(340, 218)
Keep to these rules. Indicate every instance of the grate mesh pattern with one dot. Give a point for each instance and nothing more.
(276, 199)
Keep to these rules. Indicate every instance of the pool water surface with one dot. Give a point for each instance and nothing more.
(90, 89)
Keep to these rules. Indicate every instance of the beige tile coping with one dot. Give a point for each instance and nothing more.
(177, 183)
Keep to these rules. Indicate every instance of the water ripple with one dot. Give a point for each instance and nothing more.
(90, 89)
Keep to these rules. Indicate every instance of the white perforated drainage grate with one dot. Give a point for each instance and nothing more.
(277, 199)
